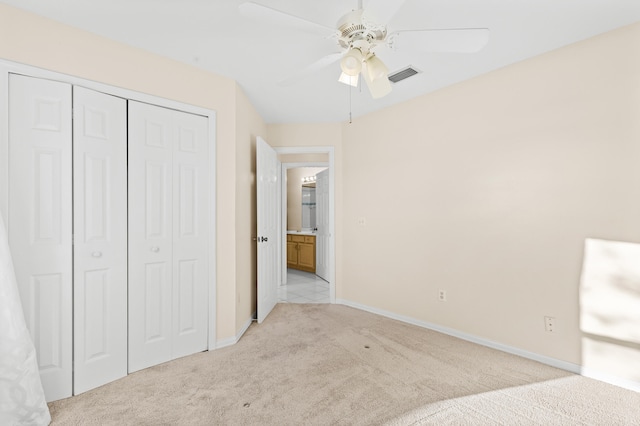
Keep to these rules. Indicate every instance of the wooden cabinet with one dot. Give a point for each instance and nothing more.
(301, 252)
(292, 252)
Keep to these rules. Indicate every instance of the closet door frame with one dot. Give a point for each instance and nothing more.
(9, 67)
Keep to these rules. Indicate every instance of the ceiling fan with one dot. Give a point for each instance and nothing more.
(361, 33)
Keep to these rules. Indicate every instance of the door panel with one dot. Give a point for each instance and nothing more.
(46, 320)
(150, 233)
(157, 198)
(47, 196)
(40, 221)
(155, 310)
(100, 250)
(268, 203)
(168, 234)
(187, 289)
(96, 318)
(190, 234)
(95, 169)
(188, 186)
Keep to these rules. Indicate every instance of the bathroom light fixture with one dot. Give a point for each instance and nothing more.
(308, 179)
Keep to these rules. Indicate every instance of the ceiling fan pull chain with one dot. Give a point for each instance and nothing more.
(350, 118)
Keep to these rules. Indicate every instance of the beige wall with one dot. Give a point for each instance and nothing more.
(303, 158)
(249, 125)
(488, 190)
(294, 194)
(32, 40)
(305, 134)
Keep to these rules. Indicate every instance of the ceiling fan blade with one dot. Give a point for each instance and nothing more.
(382, 11)
(310, 69)
(458, 40)
(270, 16)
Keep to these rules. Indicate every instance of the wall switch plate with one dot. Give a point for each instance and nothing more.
(550, 324)
(362, 221)
(442, 295)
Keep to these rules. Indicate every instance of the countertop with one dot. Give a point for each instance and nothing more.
(301, 232)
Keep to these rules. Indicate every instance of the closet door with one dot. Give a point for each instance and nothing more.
(40, 221)
(168, 234)
(100, 233)
(150, 235)
(190, 234)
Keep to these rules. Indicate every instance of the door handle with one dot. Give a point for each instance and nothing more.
(96, 254)
(263, 239)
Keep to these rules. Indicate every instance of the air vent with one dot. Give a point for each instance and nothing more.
(403, 74)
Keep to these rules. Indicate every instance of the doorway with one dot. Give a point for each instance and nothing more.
(330, 234)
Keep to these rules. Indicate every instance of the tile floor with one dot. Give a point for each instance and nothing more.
(303, 287)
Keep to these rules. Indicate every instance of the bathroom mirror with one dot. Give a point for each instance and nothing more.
(301, 213)
(309, 206)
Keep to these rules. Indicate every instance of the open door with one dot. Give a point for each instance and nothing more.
(322, 223)
(267, 221)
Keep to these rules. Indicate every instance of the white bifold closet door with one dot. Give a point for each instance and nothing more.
(74, 297)
(40, 221)
(168, 234)
(100, 238)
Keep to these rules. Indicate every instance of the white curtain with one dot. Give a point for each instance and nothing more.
(22, 400)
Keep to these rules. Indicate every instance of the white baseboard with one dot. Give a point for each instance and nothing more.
(223, 343)
(553, 362)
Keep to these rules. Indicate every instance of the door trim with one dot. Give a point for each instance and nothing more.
(9, 67)
(330, 151)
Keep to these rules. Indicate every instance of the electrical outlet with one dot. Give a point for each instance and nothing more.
(442, 295)
(362, 221)
(550, 324)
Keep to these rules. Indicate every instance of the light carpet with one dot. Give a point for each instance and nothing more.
(334, 365)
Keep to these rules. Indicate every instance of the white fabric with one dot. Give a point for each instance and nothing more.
(22, 400)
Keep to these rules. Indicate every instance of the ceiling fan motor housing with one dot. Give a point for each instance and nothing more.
(357, 30)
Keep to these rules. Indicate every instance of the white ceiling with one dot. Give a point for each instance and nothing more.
(212, 34)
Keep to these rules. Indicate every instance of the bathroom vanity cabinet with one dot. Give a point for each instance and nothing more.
(301, 252)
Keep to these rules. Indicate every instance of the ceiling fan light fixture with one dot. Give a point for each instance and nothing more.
(351, 80)
(378, 87)
(351, 62)
(376, 68)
